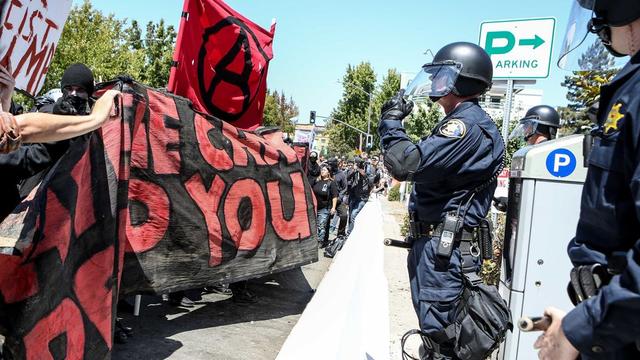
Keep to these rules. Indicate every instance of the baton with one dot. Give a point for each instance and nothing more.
(539, 323)
(397, 243)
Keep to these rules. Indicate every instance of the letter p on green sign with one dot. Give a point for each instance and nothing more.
(492, 36)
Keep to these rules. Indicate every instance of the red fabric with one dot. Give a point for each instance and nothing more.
(222, 62)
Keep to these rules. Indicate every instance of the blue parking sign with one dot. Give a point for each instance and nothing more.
(561, 162)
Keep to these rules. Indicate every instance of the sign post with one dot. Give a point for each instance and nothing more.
(519, 49)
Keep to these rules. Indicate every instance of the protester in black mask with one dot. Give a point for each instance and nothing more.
(24, 167)
(77, 89)
(313, 171)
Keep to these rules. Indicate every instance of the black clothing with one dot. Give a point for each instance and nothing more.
(360, 186)
(605, 326)
(313, 171)
(343, 186)
(78, 75)
(28, 163)
(21, 164)
(325, 191)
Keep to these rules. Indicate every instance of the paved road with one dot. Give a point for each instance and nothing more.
(218, 328)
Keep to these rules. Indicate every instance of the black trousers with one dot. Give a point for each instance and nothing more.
(343, 213)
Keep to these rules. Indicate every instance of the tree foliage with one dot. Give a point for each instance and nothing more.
(512, 145)
(278, 111)
(358, 82)
(583, 86)
(110, 47)
(425, 117)
(388, 88)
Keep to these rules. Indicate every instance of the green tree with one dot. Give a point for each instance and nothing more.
(387, 89)
(583, 86)
(94, 39)
(358, 82)
(424, 118)
(158, 54)
(110, 48)
(512, 145)
(278, 111)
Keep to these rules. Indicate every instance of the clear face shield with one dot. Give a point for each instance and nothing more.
(525, 129)
(434, 80)
(581, 41)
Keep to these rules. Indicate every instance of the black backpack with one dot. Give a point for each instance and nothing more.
(481, 322)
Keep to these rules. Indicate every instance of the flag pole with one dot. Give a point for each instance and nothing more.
(184, 17)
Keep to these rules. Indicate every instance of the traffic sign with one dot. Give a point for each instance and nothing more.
(519, 49)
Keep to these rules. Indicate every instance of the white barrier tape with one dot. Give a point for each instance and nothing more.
(348, 317)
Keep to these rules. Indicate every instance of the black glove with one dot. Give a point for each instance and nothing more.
(396, 108)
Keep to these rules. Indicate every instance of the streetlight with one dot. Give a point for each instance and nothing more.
(368, 108)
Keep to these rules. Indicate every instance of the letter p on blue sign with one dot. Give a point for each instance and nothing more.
(561, 162)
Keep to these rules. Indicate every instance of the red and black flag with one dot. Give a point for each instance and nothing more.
(221, 61)
(164, 199)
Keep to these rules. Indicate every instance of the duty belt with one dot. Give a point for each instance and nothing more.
(467, 243)
(418, 229)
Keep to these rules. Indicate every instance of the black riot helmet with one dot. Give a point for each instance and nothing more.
(594, 17)
(613, 12)
(461, 68)
(541, 119)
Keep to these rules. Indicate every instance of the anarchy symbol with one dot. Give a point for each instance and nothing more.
(223, 74)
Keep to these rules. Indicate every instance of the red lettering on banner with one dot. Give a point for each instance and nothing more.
(146, 235)
(116, 137)
(57, 228)
(139, 153)
(245, 239)
(66, 318)
(257, 148)
(9, 25)
(17, 281)
(139, 145)
(217, 158)
(208, 202)
(36, 61)
(240, 157)
(91, 285)
(37, 53)
(81, 174)
(164, 134)
(274, 143)
(297, 226)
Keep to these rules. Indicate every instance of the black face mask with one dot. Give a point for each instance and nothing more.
(435, 98)
(71, 105)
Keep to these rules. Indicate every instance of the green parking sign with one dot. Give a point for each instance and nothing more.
(519, 49)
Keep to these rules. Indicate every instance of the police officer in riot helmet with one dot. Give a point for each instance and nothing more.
(540, 124)
(454, 171)
(605, 286)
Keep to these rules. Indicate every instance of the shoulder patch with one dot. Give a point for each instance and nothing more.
(453, 128)
(612, 124)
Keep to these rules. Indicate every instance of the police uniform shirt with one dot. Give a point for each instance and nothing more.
(464, 150)
(608, 324)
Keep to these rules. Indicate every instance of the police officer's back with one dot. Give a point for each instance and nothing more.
(454, 171)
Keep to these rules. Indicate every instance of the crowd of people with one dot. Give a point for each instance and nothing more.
(342, 187)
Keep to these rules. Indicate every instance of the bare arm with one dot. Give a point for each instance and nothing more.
(41, 127)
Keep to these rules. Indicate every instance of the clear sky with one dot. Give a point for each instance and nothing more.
(316, 40)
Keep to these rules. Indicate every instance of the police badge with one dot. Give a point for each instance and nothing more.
(453, 128)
